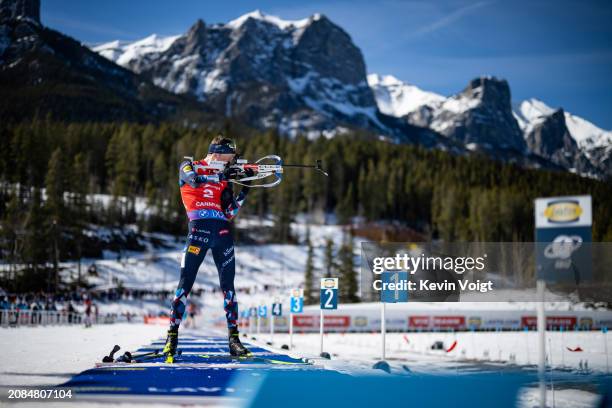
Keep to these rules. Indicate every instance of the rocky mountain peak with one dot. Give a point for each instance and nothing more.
(489, 90)
(20, 9)
(551, 136)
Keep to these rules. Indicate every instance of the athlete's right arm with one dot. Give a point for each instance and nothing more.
(187, 174)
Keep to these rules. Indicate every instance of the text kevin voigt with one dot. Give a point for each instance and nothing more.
(428, 285)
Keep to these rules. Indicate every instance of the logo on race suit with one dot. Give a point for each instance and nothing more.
(360, 321)
(197, 238)
(563, 247)
(228, 251)
(230, 259)
(194, 249)
(210, 214)
(563, 211)
(207, 204)
(223, 231)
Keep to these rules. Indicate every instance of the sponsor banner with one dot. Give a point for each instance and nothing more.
(418, 321)
(554, 321)
(305, 321)
(502, 323)
(474, 322)
(449, 322)
(570, 211)
(438, 322)
(563, 236)
(604, 322)
(331, 321)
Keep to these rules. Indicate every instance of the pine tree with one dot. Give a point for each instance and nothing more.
(348, 285)
(344, 210)
(330, 265)
(55, 183)
(79, 186)
(36, 247)
(309, 289)
(79, 189)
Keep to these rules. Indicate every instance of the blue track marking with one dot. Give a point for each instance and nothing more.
(203, 349)
(204, 369)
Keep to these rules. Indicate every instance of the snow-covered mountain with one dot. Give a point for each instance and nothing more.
(587, 135)
(308, 77)
(126, 53)
(299, 76)
(483, 111)
(479, 117)
(397, 98)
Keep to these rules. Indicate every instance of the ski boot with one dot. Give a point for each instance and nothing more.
(171, 344)
(235, 346)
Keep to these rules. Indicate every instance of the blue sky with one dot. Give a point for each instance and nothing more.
(557, 51)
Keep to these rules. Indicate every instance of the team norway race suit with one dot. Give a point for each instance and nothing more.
(210, 205)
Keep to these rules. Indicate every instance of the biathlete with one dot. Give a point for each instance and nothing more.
(210, 203)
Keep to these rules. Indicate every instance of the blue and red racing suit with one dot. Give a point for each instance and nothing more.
(211, 205)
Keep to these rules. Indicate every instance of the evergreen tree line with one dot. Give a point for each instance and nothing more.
(436, 193)
(338, 263)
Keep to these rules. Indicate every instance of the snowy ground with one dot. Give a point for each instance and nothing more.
(48, 356)
(410, 354)
(493, 349)
(51, 355)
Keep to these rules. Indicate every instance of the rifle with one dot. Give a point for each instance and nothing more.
(260, 168)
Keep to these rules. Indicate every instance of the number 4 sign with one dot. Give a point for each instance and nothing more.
(329, 293)
(277, 309)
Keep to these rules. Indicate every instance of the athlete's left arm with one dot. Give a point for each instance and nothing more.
(231, 204)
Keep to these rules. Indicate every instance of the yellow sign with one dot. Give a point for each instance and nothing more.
(563, 211)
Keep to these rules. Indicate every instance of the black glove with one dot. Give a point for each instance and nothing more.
(230, 173)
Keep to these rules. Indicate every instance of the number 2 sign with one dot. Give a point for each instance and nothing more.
(329, 293)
